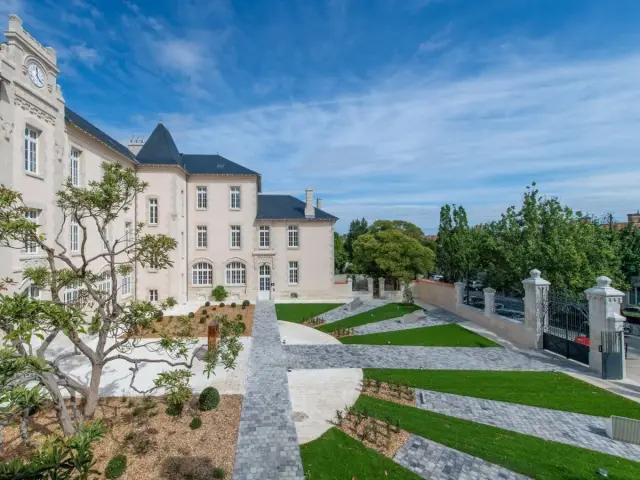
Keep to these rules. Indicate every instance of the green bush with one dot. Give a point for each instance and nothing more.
(220, 293)
(207, 303)
(174, 410)
(196, 422)
(241, 327)
(218, 473)
(233, 305)
(209, 399)
(116, 467)
(191, 315)
(203, 319)
(171, 302)
(246, 303)
(221, 304)
(204, 310)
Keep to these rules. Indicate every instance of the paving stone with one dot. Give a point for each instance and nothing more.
(344, 312)
(267, 442)
(584, 431)
(396, 324)
(436, 461)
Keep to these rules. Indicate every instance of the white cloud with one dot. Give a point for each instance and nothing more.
(82, 54)
(180, 54)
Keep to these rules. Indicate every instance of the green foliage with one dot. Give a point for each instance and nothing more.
(458, 246)
(242, 327)
(246, 303)
(629, 249)
(196, 422)
(176, 386)
(340, 256)
(356, 228)
(450, 335)
(171, 302)
(191, 314)
(174, 410)
(391, 253)
(218, 473)
(220, 293)
(209, 399)
(116, 467)
(233, 305)
(61, 458)
(221, 304)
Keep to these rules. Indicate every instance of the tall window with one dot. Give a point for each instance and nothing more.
(30, 150)
(234, 198)
(293, 273)
(294, 237)
(31, 247)
(128, 233)
(125, 286)
(104, 284)
(72, 292)
(235, 236)
(202, 274)
(236, 273)
(33, 292)
(74, 236)
(201, 198)
(153, 211)
(153, 295)
(75, 167)
(265, 236)
(202, 236)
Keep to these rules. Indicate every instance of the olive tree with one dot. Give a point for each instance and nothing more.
(95, 321)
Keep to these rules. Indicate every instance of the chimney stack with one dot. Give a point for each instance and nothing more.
(309, 211)
(135, 144)
(319, 203)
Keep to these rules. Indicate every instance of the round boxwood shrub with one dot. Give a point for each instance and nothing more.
(203, 319)
(196, 422)
(206, 304)
(218, 473)
(233, 305)
(246, 303)
(204, 310)
(191, 315)
(116, 467)
(209, 399)
(221, 304)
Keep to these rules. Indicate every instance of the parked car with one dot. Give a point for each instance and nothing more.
(632, 314)
(436, 278)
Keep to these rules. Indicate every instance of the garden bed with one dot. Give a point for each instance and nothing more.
(201, 319)
(156, 445)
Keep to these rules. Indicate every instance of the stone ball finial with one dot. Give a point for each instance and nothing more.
(535, 273)
(603, 281)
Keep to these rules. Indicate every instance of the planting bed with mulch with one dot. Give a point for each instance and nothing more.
(157, 446)
(201, 319)
(393, 392)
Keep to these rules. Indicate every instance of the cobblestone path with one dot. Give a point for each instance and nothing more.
(432, 358)
(344, 312)
(396, 324)
(434, 460)
(584, 431)
(267, 442)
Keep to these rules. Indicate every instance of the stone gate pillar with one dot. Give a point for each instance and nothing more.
(489, 301)
(460, 286)
(536, 307)
(381, 287)
(604, 315)
(370, 287)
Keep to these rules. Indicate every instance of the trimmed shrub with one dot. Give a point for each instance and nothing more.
(220, 293)
(196, 422)
(203, 319)
(221, 304)
(116, 467)
(204, 310)
(174, 410)
(218, 473)
(191, 314)
(207, 303)
(233, 305)
(246, 303)
(209, 399)
(242, 327)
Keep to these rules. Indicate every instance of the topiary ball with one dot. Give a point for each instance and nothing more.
(116, 467)
(209, 399)
(221, 304)
(206, 304)
(233, 304)
(196, 423)
(191, 315)
(246, 303)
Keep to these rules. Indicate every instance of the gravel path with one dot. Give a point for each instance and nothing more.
(584, 431)
(395, 324)
(433, 460)
(267, 442)
(344, 312)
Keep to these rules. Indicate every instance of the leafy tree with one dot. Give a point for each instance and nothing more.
(405, 227)
(458, 246)
(629, 248)
(339, 253)
(356, 228)
(29, 326)
(391, 254)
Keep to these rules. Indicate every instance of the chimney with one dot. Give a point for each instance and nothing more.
(319, 203)
(634, 218)
(135, 144)
(309, 211)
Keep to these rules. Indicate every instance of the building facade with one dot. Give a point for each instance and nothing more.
(228, 231)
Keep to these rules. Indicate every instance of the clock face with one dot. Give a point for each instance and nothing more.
(36, 74)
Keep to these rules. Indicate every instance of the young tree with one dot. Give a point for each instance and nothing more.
(356, 228)
(339, 253)
(30, 326)
(459, 248)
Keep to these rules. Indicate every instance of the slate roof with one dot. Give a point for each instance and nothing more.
(287, 207)
(75, 119)
(213, 164)
(159, 149)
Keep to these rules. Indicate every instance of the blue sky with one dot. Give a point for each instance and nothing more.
(387, 108)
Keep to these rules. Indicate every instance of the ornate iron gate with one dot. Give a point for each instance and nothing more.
(612, 351)
(566, 329)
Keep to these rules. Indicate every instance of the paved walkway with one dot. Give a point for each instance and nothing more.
(584, 431)
(434, 460)
(432, 358)
(267, 443)
(396, 324)
(344, 312)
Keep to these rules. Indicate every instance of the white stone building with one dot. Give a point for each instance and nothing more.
(228, 232)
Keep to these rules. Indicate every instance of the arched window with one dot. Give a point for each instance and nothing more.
(104, 284)
(236, 273)
(33, 292)
(202, 274)
(73, 291)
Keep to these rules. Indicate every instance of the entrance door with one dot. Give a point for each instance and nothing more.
(265, 283)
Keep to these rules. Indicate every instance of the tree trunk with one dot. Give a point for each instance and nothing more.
(91, 399)
(51, 384)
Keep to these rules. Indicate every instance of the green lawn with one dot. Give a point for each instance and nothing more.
(539, 389)
(524, 454)
(451, 335)
(299, 312)
(337, 456)
(386, 312)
